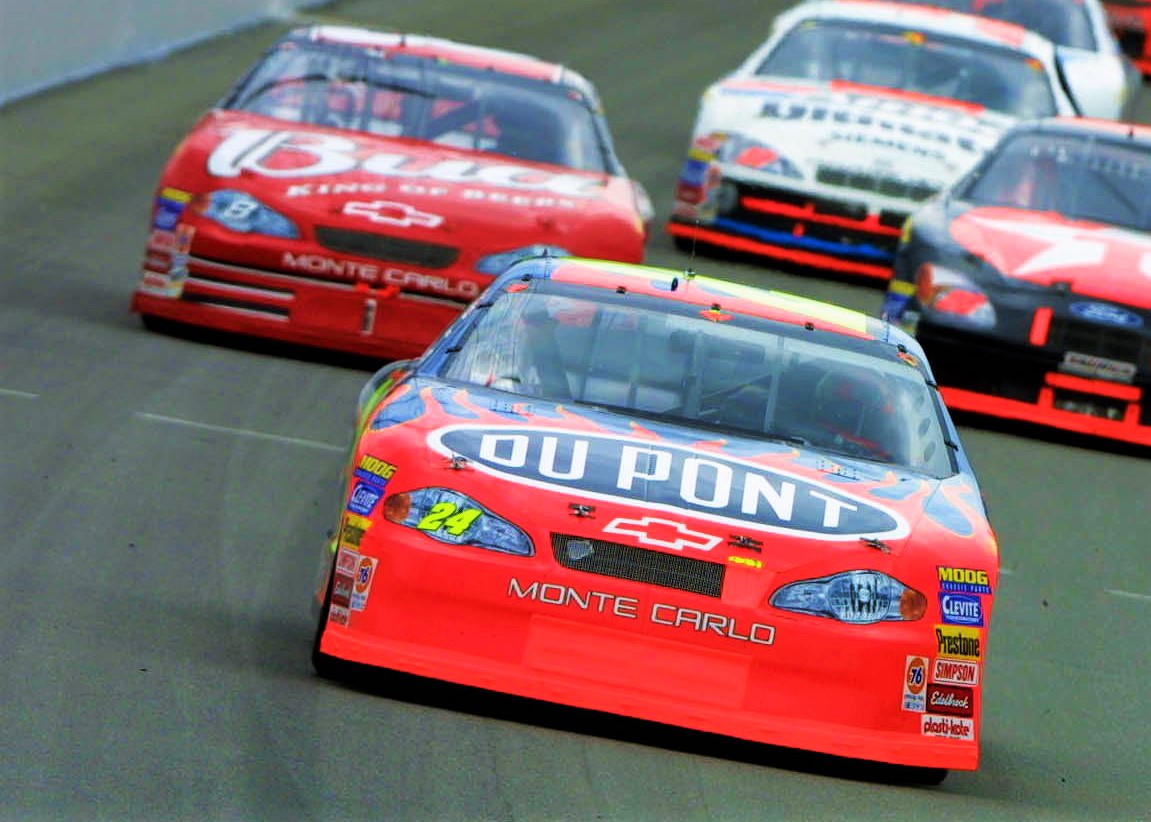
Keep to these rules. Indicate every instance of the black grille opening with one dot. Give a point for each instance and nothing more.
(1099, 340)
(383, 247)
(610, 559)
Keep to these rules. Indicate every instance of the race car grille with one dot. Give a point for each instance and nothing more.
(383, 247)
(883, 185)
(610, 559)
(1100, 341)
(856, 232)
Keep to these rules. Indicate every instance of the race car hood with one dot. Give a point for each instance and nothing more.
(854, 129)
(1044, 248)
(320, 175)
(662, 486)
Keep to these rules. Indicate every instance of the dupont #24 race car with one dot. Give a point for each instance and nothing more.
(677, 499)
(355, 190)
(1029, 283)
(851, 114)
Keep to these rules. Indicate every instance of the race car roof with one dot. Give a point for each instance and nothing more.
(937, 20)
(419, 45)
(716, 295)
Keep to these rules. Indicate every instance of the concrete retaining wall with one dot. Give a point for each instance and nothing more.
(44, 43)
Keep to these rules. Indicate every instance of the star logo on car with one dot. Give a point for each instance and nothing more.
(392, 213)
(662, 533)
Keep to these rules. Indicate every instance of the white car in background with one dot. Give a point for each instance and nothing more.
(1108, 81)
(852, 113)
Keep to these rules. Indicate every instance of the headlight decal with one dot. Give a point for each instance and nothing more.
(454, 518)
(861, 597)
(241, 212)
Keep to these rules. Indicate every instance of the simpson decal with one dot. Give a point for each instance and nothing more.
(955, 671)
(669, 478)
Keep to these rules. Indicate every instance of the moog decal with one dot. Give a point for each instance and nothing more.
(668, 478)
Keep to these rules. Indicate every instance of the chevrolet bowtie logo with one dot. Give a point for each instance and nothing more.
(390, 213)
(662, 533)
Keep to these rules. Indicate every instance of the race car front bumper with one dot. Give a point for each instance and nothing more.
(528, 629)
(1024, 383)
(374, 321)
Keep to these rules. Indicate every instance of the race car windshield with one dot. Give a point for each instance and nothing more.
(971, 72)
(419, 98)
(1082, 178)
(1063, 22)
(743, 376)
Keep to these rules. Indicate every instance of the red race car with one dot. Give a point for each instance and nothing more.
(1131, 21)
(356, 189)
(678, 499)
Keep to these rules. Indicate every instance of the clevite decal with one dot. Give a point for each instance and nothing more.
(667, 477)
(961, 609)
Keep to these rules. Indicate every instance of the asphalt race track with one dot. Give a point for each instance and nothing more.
(163, 502)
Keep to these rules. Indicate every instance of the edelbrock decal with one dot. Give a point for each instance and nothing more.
(668, 478)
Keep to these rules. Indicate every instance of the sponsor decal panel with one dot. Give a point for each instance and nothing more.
(961, 609)
(362, 585)
(352, 530)
(963, 580)
(664, 477)
(948, 727)
(951, 700)
(343, 585)
(958, 642)
(915, 684)
(363, 498)
(656, 613)
(955, 671)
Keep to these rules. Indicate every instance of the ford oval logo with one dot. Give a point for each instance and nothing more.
(1108, 314)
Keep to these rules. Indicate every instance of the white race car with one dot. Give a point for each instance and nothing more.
(852, 113)
(1107, 81)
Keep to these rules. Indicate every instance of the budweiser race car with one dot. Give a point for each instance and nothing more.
(851, 114)
(1028, 282)
(1107, 81)
(678, 499)
(356, 189)
(1131, 20)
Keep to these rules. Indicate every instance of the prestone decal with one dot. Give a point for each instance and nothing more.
(668, 478)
